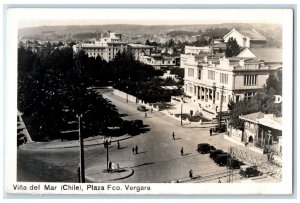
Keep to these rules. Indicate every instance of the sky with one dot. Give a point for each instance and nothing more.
(50, 17)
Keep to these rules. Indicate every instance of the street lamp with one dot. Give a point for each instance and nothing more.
(106, 143)
(181, 111)
(127, 94)
(82, 172)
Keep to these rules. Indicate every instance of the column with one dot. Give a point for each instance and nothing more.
(200, 92)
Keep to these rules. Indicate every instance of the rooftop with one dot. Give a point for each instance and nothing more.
(252, 34)
(268, 54)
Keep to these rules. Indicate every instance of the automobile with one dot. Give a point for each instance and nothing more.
(214, 153)
(203, 148)
(142, 108)
(249, 171)
(221, 159)
(234, 163)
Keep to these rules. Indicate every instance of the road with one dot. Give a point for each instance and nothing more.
(159, 159)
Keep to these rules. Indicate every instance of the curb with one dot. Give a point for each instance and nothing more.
(73, 146)
(93, 180)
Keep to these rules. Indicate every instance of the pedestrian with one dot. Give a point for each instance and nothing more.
(181, 151)
(151, 110)
(118, 144)
(113, 166)
(136, 149)
(173, 135)
(133, 150)
(109, 165)
(210, 131)
(118, 167)
(191, 173)
(145, 114)
(109, 140)
(219, 180)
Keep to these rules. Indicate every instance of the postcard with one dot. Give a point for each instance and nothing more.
(149, 101)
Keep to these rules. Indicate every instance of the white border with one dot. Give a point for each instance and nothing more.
(14, 16)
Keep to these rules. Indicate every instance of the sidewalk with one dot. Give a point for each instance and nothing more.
(96, 174)
(56, 144)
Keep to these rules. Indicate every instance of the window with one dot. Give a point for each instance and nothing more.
(200, 74)
(211, 75)
(223, 78)
(191, 72)
(249, 95)
(250, 80)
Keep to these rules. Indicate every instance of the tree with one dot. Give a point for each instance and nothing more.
(232, 48)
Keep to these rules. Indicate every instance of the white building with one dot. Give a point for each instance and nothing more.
(158, 61)
(245, 38)
(106, 47)
(139, 50)
(206, 78)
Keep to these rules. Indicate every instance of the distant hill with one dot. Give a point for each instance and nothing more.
(273, 32)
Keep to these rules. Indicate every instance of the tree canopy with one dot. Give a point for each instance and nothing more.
(232, 48)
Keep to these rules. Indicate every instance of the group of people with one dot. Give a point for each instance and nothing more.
(112, 167)
(135, 150)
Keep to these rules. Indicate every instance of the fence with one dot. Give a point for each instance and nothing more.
(271, 167)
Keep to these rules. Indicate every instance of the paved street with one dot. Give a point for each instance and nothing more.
(159, 159)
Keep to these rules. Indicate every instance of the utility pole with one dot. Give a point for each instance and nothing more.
(221, 104)
(181, 111)
(229, 166)
(81, 158)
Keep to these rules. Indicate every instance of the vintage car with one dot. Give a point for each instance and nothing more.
(249, 171)
(203, 148)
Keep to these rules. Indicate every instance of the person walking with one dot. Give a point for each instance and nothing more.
(133, 150)
(136, 149)
(145, 114)
(191, 173)
(219, 180)
(173, 135)
(118, 144)
(181, 151)
(118, 167)
(109, 165)
(210, 131)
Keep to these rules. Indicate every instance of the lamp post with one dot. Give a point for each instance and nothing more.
(106, 143)
(81, 154)
(181, 110)
(127, 94)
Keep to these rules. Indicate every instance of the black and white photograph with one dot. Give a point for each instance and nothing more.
(149, 101)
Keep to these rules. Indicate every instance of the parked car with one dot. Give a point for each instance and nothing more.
(249, 171)
(221, 159)
(234, 163)
(203, 148)
(142, 108)
(214, 153)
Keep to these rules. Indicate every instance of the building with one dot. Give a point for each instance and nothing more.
(159, 61)
(263, 130)
(246, 37)
(139, 50)
(208, 78)
(196, 50)
(106, 47)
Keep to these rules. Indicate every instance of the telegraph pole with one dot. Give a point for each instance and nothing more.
(81, 158)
